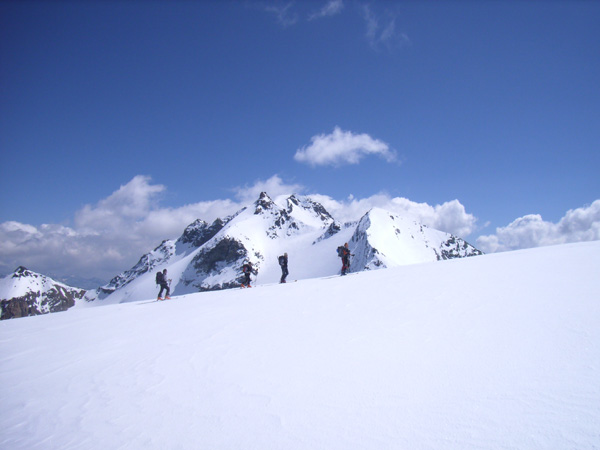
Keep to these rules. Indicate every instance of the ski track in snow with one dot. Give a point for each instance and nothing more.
(500, 351)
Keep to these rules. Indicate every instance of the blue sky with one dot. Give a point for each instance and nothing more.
(124, 117)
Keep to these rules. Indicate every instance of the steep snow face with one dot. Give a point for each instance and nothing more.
(26, 293)
(383, 239)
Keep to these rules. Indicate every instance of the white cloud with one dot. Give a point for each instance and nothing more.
(331, 8)
(342, 147)
(130, 202)
(283, 13)
(450, 216)
(274, 186)
(47, 247)
(106, 237)
(578, 225)
(381, 30)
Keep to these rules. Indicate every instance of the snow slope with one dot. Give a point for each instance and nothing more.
(500, 351)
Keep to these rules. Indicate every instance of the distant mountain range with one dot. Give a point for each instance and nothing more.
(210, 256)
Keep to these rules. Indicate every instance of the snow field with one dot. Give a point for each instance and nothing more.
(500, 351)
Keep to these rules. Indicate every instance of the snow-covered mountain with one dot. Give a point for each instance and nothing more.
(209, 256)
(26, 293)
(383, 239)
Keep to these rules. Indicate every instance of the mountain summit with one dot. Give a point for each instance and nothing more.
(383, 239)
(27, 293)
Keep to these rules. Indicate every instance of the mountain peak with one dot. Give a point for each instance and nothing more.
(385, 239)
(27, 293)
(22, 271)
(264, 203)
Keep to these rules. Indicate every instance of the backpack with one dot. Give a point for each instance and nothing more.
(341, 250)
(281, 260)
(159, 277)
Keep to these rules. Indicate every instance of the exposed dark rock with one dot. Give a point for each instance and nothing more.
(457, 248)
(225, 252)
(199, 232)
(264, 203)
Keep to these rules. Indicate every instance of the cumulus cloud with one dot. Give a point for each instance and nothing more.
(342, 147)
(131, 202)
(450, 217)
(331, 8)
(578, 225)
(274, 186)
(49, 246)
(106, 237)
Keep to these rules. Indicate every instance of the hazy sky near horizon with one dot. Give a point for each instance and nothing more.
(123, 121)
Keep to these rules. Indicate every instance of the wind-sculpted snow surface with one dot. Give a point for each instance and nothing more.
(496, 352)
